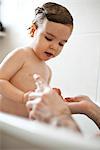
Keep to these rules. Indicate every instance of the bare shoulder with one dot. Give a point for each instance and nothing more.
(23, 51)
(12, 63)
(14, 59)
(27, 51)
(15, 53)
(18, 53)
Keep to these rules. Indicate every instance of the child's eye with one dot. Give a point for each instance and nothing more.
(61, 44)
(49, 39)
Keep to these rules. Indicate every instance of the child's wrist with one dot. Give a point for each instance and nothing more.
(24, 98)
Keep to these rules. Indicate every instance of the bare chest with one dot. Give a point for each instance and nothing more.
(23, 79)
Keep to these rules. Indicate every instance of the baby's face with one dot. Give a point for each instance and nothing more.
(49, 39)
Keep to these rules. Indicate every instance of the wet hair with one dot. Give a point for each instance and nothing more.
(53, 12)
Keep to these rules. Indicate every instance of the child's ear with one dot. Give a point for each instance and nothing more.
(32, 29)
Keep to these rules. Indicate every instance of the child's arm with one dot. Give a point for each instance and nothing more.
(8, 68)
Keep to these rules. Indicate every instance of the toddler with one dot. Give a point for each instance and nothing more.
(50, 30)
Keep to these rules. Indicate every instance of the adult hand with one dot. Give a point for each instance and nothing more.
(79, 104)
(84, 105)
(51, 108)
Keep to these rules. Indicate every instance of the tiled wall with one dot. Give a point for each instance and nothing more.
(76, 69)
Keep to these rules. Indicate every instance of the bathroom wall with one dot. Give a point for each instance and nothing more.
(76, 69)
(16, 17)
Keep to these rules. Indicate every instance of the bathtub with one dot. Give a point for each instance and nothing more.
(17, 133)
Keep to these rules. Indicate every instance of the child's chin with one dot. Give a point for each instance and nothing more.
(48, 59)
(45, 59)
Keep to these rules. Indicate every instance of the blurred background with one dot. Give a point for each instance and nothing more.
(76, 71)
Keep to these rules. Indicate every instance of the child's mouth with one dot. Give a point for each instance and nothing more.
(49, 54)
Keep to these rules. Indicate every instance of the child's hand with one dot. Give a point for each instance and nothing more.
(34, 97)
(51, 108)
(58, 91)
(26, 96)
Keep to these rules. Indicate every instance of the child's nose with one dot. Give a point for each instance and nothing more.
(54, 46)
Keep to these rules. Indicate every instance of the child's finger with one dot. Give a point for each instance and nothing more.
(42, 86)
(69, 99)
(38, 78)
(72, 99)
(29, 105)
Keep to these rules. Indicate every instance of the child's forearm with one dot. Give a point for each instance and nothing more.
(11, 92)
(94, 114)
